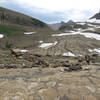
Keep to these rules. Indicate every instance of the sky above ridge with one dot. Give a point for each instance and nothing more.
(52, 11)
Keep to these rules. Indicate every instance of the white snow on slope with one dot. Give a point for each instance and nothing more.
(91, 29)
(81, 23)
(94, 20)
(1, 36)
(28, 33)
(95, 50)
(69, 54)
(93, 26)
(87, 35)
(47, 45)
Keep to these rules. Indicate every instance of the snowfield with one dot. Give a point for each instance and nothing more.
(91, 29)
(87, 35)
(1, 36)
(94, 20)
(81, 23)
(47, 45)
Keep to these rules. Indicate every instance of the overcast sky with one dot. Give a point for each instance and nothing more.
(52, 11)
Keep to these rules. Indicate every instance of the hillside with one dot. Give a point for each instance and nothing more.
(21, 30)
(38, 63)
(12, 22)
(70, 25)
(97, 16)
(56, 26)
(73, 39)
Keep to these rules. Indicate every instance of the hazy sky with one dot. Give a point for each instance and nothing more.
(55, 10)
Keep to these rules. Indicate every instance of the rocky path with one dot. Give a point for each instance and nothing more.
(49, 84)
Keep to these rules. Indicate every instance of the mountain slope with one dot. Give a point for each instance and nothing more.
(96, 16)
(21, 30)
(95, 19)
(73, 26)
(14, 21)
(56, 26)
(74, 38)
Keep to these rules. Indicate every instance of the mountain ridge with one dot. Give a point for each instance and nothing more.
(14, 22)
(14, 17)
(97, 16)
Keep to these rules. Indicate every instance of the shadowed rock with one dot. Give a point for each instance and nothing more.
(73, 67)
(16, 52)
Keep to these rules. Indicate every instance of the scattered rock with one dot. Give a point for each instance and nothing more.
(16, 52)
(73, 67)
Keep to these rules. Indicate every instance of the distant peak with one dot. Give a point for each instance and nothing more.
(70, 22)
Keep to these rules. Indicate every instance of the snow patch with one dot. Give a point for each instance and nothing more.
(94, 50)
(94, 20)
(81, 23)
(97, 50)
(79, 29)
(23, 50)
(87, 35)
(40, 41)
(91, 29)
(47, 45)
(91, 25)
(28, 33)
(69, 54)
(1, 36)
(90, 50)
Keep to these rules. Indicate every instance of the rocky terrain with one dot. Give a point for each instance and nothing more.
(40, 63)
(49, 84)
(27, 76)
(14, 27)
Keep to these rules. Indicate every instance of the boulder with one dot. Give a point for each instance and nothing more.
(18, 52)
(73, 67)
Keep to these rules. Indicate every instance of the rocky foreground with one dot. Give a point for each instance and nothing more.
(36, 77)
(50, 84)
